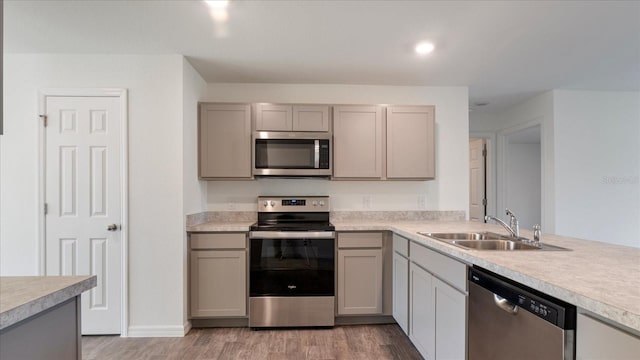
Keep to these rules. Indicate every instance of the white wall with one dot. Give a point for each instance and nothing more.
(590, 160)
(597, 165)
(523, 183)
(448, 192)
(194, 191)
(155, 171)
(193, 89)
(537, 110)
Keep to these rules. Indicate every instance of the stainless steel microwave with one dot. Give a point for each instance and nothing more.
(295, 154)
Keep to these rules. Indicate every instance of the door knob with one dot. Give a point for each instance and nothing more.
(112, 227)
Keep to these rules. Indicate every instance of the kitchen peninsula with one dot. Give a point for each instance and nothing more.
(602, 280)
(40, 316)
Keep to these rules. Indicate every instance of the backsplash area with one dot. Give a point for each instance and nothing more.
(398, 215)
(250, 216)
(345, 195)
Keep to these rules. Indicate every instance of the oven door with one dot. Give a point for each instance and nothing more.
(298, 264)
(291, 154)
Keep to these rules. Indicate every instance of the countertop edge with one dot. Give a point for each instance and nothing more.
(24, 311)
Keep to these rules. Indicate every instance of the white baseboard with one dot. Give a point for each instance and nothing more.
(159, 330)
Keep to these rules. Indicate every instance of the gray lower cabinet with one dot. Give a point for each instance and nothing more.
(360, 259)
(52, 334)
(437, 304)
(218, 275)
(422, 311)
(400, 308)
(598, 340)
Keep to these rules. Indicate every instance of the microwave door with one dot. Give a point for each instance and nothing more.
(291, 156)
(316, 161)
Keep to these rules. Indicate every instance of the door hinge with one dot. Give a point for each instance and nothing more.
(484, 202)
(46, 208)
(44, 120)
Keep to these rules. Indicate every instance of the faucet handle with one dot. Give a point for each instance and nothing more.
(537, 233)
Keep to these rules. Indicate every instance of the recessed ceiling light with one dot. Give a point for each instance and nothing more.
(424, 48)
(217, 4)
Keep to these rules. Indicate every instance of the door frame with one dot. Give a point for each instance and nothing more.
(503, 157)
(490, 170)
(121, 94)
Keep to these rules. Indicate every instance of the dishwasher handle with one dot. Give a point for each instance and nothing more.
(505, 304)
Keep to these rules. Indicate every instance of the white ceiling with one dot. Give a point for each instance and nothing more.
(504, 51)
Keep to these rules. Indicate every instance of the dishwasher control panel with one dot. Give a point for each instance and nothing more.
(539, 304)
(538, 308)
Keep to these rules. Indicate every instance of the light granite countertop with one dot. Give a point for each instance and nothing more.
(599, 277)
(24, 296)
(221, 226)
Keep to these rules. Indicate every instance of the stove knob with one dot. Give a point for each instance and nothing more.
(265, 203)
(321, 203)
(272, 203)
(315, 203)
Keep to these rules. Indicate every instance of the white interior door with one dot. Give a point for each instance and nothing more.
(83, 195)
(476, 180)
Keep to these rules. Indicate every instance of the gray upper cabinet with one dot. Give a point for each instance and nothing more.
(310, 118)
(410, 142)
(357, 142)
(272, 117)
(224, 132)
(275, 117)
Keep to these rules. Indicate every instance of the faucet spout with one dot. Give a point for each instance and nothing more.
(504, 224)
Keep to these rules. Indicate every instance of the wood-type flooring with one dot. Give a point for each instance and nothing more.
(370, 342)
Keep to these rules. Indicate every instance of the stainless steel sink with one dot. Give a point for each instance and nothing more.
(494, 245)
(467, 236)
(488, 241)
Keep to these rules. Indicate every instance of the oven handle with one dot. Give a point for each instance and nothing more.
(291, 235)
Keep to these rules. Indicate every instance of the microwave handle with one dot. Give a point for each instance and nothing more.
(316, 148)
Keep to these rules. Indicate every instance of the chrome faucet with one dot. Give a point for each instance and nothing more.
(513, 222)
(513, 227)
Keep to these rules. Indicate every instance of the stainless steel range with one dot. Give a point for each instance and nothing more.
(292, 263)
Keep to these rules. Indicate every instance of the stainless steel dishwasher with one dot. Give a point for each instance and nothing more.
(508, 320)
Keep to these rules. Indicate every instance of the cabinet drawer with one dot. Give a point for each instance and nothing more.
(401, 245)
(360, 240)
(442, 266)
(218, 241)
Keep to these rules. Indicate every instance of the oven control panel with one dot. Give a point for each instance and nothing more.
(293, 204)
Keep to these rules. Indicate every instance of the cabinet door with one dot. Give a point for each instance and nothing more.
(271, 117)
(421, 311)
(310, 118)
(357, 142)
(360, 281)
(218, 283)
(225, 141)
(410, 142)
(450, 321)
(401, 291)
(597, 340)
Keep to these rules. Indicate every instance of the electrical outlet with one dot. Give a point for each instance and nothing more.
(366, 202)
(422, 202)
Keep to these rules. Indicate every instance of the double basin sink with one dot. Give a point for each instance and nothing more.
(488, 241)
